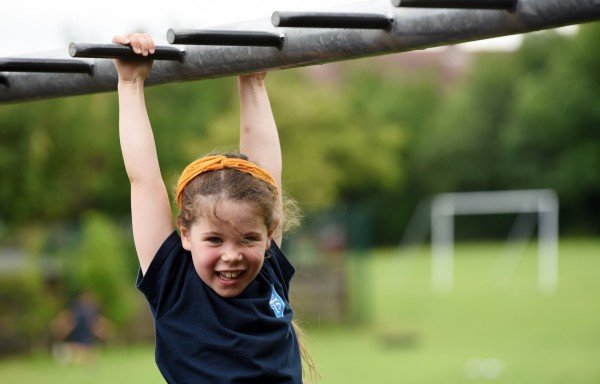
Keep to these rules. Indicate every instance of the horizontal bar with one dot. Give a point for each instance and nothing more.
(332, 20)
(226, 38)
(118, 51)
(475, 203)
(464, 4)
(20, 64)
(414, 29)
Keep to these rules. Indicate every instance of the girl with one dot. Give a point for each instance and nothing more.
(219, 291)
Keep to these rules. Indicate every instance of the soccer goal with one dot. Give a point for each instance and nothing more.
(445, 206)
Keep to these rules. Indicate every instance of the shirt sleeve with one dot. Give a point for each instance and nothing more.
(166, 274)
(283, 269)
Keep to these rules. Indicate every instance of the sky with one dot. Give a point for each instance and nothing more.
(30, 26)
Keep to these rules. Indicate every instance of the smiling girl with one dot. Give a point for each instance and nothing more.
(218, 289)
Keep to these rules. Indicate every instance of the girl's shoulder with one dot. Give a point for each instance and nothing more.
(168, 267)
(280, 265)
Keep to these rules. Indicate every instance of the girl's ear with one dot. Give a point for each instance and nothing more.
(185, 238)
(270, 232)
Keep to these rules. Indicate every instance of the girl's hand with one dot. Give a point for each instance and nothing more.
(135, 70)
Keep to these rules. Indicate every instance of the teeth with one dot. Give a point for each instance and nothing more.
(230, 275)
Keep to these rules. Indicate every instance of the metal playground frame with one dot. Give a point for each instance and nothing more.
(289, 39)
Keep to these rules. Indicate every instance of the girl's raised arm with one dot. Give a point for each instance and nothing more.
(150, 209)
(259, 139)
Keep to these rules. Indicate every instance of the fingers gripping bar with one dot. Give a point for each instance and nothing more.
(118, 51)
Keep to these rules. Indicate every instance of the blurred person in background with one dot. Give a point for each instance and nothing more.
(78, 329)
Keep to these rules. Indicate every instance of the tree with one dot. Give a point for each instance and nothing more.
(553, 137)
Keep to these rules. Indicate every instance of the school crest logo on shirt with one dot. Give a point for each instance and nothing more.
(276, 302)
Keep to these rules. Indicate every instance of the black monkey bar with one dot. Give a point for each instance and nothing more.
(118, 51)
(463, 4)
(25, 64)
(226, 38)
(413, 28)
(332, 20)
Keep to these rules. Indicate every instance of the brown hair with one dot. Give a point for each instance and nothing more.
(227, 184)
(238, 186)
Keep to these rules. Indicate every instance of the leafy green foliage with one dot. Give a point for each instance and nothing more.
(25, 311)
(553, 134)
(524, 120)
(59, 158)
(100, 266)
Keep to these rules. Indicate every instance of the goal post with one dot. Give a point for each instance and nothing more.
(445, 206)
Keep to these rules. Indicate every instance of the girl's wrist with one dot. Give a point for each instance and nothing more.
(253, 79)
(133, 86)
(135, 82)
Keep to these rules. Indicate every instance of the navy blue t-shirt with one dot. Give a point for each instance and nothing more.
(202, 337)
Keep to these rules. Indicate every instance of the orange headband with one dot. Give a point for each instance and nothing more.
(217, 162)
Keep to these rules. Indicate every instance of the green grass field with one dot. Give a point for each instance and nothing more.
(495, 326)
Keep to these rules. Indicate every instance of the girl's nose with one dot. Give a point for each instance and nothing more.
(232, 255)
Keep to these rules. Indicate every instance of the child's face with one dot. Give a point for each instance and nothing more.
(228, 250)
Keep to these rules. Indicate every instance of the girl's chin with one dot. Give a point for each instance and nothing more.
(229, 287)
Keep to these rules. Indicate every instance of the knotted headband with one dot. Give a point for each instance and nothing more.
(218, 162)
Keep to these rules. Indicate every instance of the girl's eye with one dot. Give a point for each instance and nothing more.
(250, 239)
(214, 240)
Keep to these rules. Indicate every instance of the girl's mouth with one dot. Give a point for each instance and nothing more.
(229, 275)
